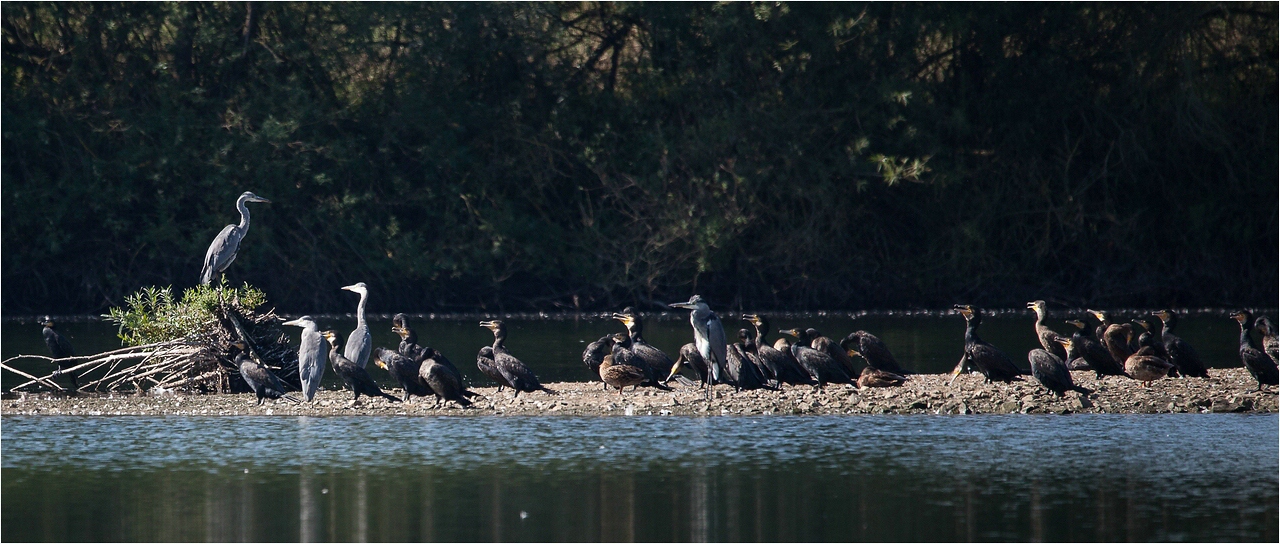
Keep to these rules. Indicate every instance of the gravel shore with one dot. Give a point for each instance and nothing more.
(1229, 390)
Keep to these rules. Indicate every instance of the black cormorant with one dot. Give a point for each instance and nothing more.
(1181, 354)
(1150, 336)
(262, 381)
(404, 371)
(356, 377)
(1084, 346)
(487, 366)
(826, 345)
(443, 381)
(990, 361)
(658, 362)
(691, 357)
(1117, 341)
(873, 351)
(1270, 344)
(742, 372)
(1048, 337)
(778, 364)
(516, 374)
(1104, 321)
(819, 364)
(595, 354)
(1262, 367)
(1051, 371)
(409, 346)
(59, 348)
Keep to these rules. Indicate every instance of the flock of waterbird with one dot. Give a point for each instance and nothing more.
(1144, 349)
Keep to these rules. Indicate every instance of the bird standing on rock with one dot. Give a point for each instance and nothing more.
(264, 383)
(513, 371)
(1261, 366)
(617, 374)
(1051, 371)
(708, 336)
(994, 365)
(1085, 346)
(595, 353)
(873, 351)
(1181, 354)
(1048, 337)
(403, 370)
(310, 351)
(360, 342)
(355, 376)
(227, 243)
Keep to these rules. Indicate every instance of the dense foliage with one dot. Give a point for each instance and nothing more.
(537, 156)
(153, 314)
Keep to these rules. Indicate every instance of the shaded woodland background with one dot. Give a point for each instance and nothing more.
(546, 156)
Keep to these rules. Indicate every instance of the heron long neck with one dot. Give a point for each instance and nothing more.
(244, 213)
(364, 297)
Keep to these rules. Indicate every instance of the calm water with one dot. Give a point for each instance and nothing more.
(553, 348)
(878, 478)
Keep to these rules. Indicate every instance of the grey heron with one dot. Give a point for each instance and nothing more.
(360, 341)
(708, 336)
(59, 348)
(514, 372)
(356, 377)
(225, 245)
(310, 353)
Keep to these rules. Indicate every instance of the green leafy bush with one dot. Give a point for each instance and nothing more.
(152, 315)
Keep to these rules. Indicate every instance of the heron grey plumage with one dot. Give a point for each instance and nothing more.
(310, 356)
(360, 341)
(227, 243)
(708, 335)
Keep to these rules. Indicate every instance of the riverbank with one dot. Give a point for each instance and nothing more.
(1229, 390)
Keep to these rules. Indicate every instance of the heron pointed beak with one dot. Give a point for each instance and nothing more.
(681, 305)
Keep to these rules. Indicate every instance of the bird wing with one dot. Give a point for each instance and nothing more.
(515, 372)
(221, 252)
(358, 345)
(716, 345)
(310, 367)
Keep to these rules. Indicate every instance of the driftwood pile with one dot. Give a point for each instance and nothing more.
(197, 364)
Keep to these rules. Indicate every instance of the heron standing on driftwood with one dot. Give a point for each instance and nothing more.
(225, 245)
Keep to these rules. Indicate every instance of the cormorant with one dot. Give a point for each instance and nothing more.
(741, 371)
(59, 348)
(227, 243)
(441, 380)
(1048, 337)
(620, 375)
(826, 345)
(1270, 344)
(1145, 367)
(262, 381)
(708, 336)
(404, 371)
(819, 364)
(514, 372)
(990, 361)
(1262, 367)
(360, 342)
(356, 377)
(1150, 336)
(431, 355)
(595, 354)
(1084, 346)
(873, 377)
(487, 366)
(1117, 340)
(691, 357)
(409, 346)
(1103, 322)
(1051, 372)
(777, 364)
(310, 351)
(657, 361)
(873, 351)
(1181, 353)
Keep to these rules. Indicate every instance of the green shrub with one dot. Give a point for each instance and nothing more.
(152, 315)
